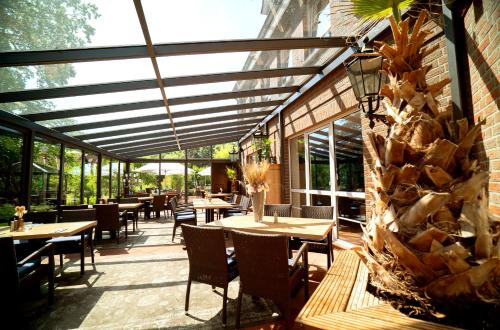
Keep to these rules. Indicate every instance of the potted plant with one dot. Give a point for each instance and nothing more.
(233, 177)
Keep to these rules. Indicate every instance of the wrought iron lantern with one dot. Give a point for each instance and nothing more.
(233, 155)
(259, 143)
(364, 70)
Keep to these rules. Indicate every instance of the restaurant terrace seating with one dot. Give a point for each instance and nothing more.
(208, 262)
(108, 219)
(267, 272)
(75, 244)
(187, 216)
(19, 275)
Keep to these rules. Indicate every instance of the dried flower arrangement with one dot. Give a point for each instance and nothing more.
(255, 176)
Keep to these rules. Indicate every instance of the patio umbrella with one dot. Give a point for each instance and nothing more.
(148, 168)
(173, 169)
(207, 171)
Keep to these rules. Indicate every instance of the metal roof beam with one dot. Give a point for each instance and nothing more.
(164, 138)
(125, 86)
(39, 57)
(153, 118)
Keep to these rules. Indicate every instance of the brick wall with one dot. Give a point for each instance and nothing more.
(482, 23)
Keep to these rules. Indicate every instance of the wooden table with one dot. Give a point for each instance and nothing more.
(145, 199)
(210, 206)
(314, 229)
(60, 229)
(341, 301)
(134, 207)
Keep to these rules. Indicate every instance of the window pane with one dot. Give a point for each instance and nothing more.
(72, 176)
(144, 177)
(201, 152)
(297, 163)
(221, 151)
(90, 178)
(298, 199)
(349, 153)
(319, 154)
(350, 208)
(179, 154)
(45, 176)
(115, 177)
(173, 176)
(11, 148)
(321, 200)
(105, 178)
(199, 179)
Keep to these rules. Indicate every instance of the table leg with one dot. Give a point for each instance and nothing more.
(330, 249)
(212, 215)
(82, 254)
(157, 214)
(136, 219)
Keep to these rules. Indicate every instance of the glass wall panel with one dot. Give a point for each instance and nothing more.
(321, 200)
(115, 178)
(143, 177)
(105, 177)
(11, 149)
(221, 151)
(199, 179)
(173, 177)
(298, 199)
(123, 173)
(178, 154)
(298, 163)
(201, 152)
(349, 153)
(72, 176)
(45, 175)
(90, 178)
(351, 209)
(319, 155)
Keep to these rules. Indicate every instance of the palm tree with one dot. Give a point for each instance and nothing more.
(377, 9)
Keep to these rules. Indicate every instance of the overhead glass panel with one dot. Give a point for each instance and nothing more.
(40, 24)
(78, 102)
(120, 129)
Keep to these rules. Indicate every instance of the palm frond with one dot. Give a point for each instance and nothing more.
(375, 9)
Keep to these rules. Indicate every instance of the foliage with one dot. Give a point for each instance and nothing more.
(263, 148)
(36, 25)
(221, 151)
(231, 174)
(378, 9)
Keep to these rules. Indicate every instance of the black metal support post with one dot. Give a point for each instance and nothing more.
(82, 177)
(27, 168)
(99, 177)
(186, 176)
(282, 154)
(458, 64)
(61, 178)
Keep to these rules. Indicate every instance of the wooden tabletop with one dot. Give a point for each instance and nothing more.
(129, 206)
(215, 203)
(49, 230)
(144, 199)
(341, 301)
(221, 195)
(307, 228)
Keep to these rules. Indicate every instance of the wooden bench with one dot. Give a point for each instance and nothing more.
(341, 301)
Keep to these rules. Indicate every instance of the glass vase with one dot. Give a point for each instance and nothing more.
(258, 200)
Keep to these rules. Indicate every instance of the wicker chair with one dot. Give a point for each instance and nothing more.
(108, 219)
(41, 216)
(242, 208)
(208, 262)
(74, 244)
(266, 271)
(158, 205)
(317, 212)
(130, 215)
(17, 275)
(284, 210)
(181, 217)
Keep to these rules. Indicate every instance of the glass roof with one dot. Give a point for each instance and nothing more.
(115, 90)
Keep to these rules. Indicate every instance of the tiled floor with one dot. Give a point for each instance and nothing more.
(141, 283)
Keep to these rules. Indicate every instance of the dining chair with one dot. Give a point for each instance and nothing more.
(267, 272)
(209, 262)
(158, 205)
(108, 219)
(41, 216)
(180, 217)
(17, 276)
(240, 209)
(74, 244)
(131, 215)
(318, 246)
(284, 210)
